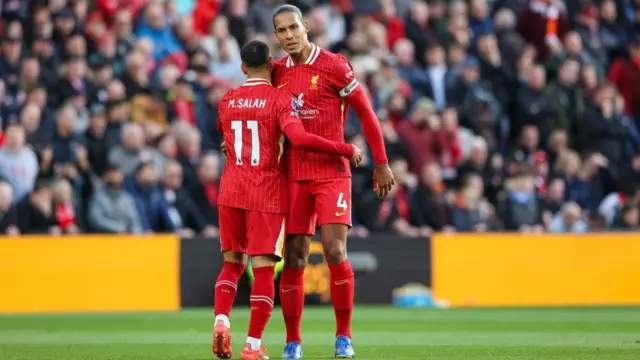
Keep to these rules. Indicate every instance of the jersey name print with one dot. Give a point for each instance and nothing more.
(251, 119)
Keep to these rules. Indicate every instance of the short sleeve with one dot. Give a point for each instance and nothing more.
(222, 108)
(286, 110)
(343, 76)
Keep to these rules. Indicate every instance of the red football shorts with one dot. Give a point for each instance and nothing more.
(326, 201)
(251, 232)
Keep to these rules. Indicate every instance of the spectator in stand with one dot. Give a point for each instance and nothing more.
(544, 24)
(418, 133)
(153, 209)
(625, 72)
(155, 26)
(183, 212)
(469, 212)
(553, 200)
(628, 219)
(568, 220)
(205, 190)
(112, 209)
(569, 100)
(69, 217)
(431, 199)
(8, 213)
(522, 209)
(35, 212)
(18, 163)
(133, 150)
(398, 212)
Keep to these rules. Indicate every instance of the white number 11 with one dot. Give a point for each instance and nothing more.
(236, 126)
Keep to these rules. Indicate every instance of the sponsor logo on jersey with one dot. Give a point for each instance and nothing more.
(298, 105)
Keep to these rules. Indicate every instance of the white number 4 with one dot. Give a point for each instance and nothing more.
(236, 126)
(342, 203)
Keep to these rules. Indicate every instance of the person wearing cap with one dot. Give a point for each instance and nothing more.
(97, 86)
(10, 60)
(65, 25)
(588, 26)
(42, 48)
(97, 146)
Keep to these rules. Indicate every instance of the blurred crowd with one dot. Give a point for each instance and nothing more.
(504, 115)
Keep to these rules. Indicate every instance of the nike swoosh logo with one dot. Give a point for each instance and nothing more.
(341, 282)
(288, 289)
(282, 85)
(341, 213)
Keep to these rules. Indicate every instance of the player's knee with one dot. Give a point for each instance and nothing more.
(335, 252)
(234, 257)
(296, 251)
(263, 261)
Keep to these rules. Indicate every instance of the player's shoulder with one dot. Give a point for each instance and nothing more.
(229, 94)
(282, 96)
(281, 63)
(327, 57)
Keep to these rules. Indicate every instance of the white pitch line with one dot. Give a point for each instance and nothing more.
(590, 339)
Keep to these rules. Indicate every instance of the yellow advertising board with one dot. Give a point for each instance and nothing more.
(89, 274)
(536, 270)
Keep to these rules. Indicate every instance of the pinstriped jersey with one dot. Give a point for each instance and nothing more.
(318, 87)
(251, 119)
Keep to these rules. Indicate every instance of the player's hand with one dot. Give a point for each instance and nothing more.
(383, 180)
(356, 159)
(223, 148)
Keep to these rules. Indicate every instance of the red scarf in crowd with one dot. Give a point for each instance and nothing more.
(66, 215)
(551, 11)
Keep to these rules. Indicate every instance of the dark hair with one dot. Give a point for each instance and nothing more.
(466, 179)
(255, 54)
(40, 184)
(287, 9)
(144, 165)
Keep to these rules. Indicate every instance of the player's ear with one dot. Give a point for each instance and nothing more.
(271, 63)
(243, 67)
(306, 26)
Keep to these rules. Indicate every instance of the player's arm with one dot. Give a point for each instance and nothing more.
(294, 131)
(300, 138)
(350, 90)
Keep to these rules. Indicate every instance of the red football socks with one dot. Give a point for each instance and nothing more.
(262, 295)
(226, 287)
(292, 299)
(342, 289)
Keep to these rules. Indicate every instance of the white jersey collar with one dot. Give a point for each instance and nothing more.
(254, 82)
(313, 55)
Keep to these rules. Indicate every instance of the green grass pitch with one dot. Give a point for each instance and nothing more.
(379, 333)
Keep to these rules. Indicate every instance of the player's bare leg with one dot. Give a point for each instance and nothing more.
(262, 297)
(225, 294)
(296, 252)
(334, 245)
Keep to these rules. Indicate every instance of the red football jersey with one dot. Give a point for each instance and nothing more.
(319, 87)
(251, 119)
